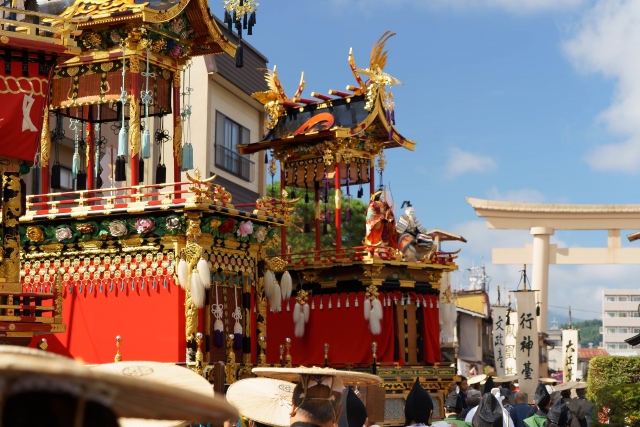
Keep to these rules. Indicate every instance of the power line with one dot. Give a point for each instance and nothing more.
(576, 309)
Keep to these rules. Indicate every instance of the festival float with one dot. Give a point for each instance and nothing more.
(175, 270)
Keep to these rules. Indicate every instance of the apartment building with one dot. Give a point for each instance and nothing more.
(620, 321)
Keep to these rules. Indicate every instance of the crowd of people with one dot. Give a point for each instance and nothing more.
(39, 389)
(469, 401)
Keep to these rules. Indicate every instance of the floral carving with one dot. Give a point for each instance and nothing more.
(117, 228)
(245, 228)
(63, 233)
(35, 234)
(145, 225)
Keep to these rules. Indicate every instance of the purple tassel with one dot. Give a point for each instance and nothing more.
(327, 216)
(237, 341)
(348, 214)
(325, 229)
(218, 338)
(307, 227)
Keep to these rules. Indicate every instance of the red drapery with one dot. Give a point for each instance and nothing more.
(431, 329)
(344, 329)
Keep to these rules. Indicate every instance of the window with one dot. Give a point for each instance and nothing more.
(635, 314)
(623, 331)
(623, 346)
(229, 135)
(635, 298)
(611, 314)
(623, 314)
(610, 299)
(611, 346)
(623, 299)
(611, 330)
(636, 330)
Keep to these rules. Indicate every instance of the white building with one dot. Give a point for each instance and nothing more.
(620, 321)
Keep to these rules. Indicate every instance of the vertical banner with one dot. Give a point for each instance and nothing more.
(499, 332)
(527, 352)
(510, 350)
(569, 355)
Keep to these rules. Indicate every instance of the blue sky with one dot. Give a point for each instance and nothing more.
(522, 100)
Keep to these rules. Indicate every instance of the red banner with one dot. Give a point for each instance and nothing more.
(21, 111)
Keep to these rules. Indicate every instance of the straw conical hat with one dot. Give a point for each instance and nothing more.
(164, 374)
(293, 375)
(477, 379)
(126, 395)
(265, 400)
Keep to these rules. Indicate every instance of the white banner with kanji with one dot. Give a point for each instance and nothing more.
(569, 355)
(510, 347)
(527, 356)
(499, 332)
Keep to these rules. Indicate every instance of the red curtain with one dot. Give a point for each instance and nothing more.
(431, 330)
(344, 329)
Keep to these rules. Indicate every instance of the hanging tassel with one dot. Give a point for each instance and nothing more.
(376, 308)
(266, 158)
(538, 310)
(183, 273)
(187, 157)
(298, 331)
(122, 141)
(360, 192)
(75, 165)
(307, 227)
(356, 300)
(81, 181)
(204, 273)
(146, 144)
(306, 312)
(330, 305)
(339, 305)
(269, 285)
(321, 302)
(218, 333)
(347, 302)
(286, 285)
(120, 174)
(327, 216)
(367, 308)
(239, 55)
(277, 300)
(55, 175)
(375, 325)
(293, 194)
(197, 290)
(161, 174)
(297, 312)
(141, 170)
(325, 230)
(306, 197)
(348, 214)
(237, 335)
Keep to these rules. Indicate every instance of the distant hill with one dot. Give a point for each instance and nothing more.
(589, 332)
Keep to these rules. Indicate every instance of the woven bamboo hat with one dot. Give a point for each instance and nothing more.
(265, 400)
(27, 370)
(163, 374)
(293, 375)
(565, 386)
(477, 379)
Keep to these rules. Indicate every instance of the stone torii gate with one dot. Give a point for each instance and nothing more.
(542, 220)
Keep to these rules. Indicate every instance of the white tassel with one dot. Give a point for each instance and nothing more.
(306, 312)
(376, 307)
(330, 305)
(286, 285)
(204, 273)
(276, 306)
(367, 308)
(197, 290)
(338, 305)
(268, 284)
(375, 325)
(299, 329)
(237, 328)
(321, 302)
(183, 273)
(297, 312)
(313, 303)
(347, 302)
(356, 303)
(218, 326)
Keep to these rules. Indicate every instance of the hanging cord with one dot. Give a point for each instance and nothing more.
(187, 148)
(122, 135)
(73, 125)
(147, 99)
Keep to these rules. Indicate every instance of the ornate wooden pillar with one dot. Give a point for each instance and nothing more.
(10, 226)
(91, 178)
(134, 118)
(261, 315)
(283, 230)
(246, 319)
(372, 183)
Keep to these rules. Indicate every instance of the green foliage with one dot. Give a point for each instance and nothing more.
(589, 332)
(607, 371)
(623, 402)
(353, 230)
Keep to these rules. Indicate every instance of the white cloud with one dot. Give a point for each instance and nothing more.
(606, 42)
(524, 195)
(461, 162)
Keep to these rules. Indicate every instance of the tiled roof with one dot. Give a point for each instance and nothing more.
(590, 353)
